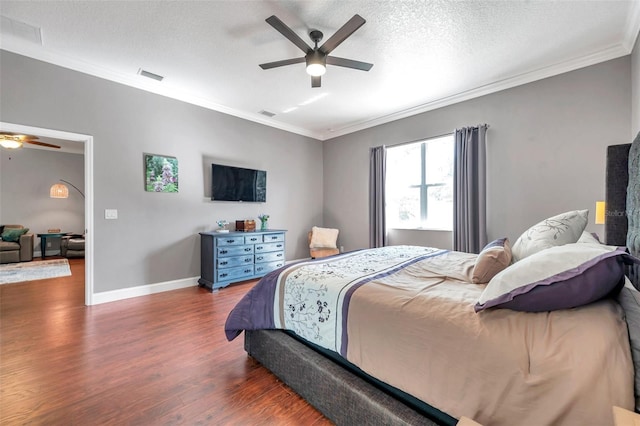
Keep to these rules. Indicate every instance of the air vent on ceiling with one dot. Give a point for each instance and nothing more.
(150, 75)
(267, 113)
(21, 30)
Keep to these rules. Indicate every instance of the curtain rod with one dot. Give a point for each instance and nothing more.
(427, 138)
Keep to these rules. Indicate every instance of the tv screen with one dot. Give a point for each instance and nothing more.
(230, 183)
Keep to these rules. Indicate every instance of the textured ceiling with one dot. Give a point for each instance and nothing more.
(426, 54)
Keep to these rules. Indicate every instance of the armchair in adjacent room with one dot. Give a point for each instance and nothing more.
(323, 242)
(72, 245)
(16, 245)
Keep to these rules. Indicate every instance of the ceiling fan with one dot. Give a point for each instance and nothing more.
(317, 58)
(15, 140)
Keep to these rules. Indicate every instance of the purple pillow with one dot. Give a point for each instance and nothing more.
(560, 277)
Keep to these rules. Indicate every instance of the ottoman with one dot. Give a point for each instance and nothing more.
(72, 246)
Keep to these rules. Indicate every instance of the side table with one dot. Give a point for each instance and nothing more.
(43, 240)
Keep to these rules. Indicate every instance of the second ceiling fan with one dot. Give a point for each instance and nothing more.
(316, 57)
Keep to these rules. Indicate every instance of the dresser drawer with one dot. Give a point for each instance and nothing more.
(238, 272)
(269, 257)
(270, 238)
(230, 262)
(265, 247)
(234, 251)
(263, 268)
(230, 241)
(252, 239)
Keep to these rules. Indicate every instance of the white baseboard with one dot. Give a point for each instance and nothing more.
(143, 290)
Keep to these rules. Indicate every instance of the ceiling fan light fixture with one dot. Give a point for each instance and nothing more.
(316, 70)
(316, 63)
(10, 143)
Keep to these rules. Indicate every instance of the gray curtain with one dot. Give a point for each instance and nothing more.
(470, 190)
(377, 173)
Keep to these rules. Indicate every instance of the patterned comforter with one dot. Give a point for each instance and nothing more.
(405, 315)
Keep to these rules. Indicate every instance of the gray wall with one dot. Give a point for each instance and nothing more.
(635, 89)
(156, 236)
(546, 151)
(27, 176)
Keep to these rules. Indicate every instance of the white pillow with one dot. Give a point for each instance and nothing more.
(560, 277)
(558, 230)
(323, 237)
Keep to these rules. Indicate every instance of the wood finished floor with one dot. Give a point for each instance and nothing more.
(154, 360)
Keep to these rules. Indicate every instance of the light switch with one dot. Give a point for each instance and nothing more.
(110, 213)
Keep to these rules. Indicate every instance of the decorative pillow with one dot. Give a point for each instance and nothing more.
(493, 258)
(564, 228)
(13, 234)
(588, 238)
(323, 237)
(560, 277)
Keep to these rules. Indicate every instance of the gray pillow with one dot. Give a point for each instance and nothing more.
(629, 299)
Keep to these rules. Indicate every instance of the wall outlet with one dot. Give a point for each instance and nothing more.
(341, 249)
(48, 244)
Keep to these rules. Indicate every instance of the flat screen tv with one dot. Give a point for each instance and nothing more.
(230, 183)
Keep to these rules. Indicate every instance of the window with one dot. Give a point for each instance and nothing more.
(419, 184)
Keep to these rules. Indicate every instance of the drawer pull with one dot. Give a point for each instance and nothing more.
(279, 246)
(246, 271)
(274, 237)
(223, 252)
(279, 254)
(223, 275)
(259, 258)
(247, 249)
(223, 263)
(231, 241)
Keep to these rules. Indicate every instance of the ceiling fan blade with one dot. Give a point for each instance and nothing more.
(315, 81)
(347, 29)
(48, 145)
(282, 63)
(283, 29)
(349, 63)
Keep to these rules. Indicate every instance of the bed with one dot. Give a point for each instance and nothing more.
(403, 335)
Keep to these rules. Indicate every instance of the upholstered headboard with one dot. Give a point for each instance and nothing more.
(633, 198)
(616, 223)
(622, 223)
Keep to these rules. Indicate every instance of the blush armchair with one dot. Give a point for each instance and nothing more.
(323, 242)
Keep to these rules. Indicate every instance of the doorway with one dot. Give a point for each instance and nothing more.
(87, 142)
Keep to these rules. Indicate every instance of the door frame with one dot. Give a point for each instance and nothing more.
(87, 141)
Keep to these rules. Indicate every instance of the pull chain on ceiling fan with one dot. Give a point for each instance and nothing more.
(317, 58)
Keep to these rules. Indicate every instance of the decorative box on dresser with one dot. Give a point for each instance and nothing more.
(230, 257)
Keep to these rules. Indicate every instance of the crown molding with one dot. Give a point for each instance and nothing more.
(607, 54)
(31, 50)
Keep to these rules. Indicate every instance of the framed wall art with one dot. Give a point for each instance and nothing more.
(160, 173)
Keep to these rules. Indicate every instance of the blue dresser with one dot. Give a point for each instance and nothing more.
(237, 256)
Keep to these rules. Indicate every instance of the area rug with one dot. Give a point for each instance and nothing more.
(36, 270)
